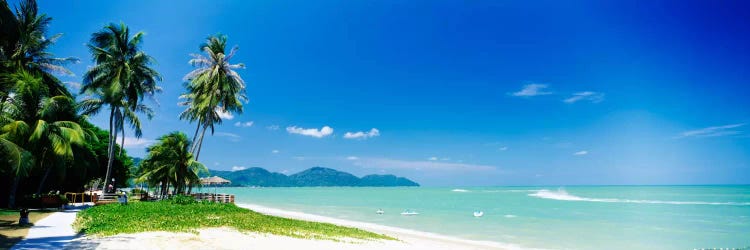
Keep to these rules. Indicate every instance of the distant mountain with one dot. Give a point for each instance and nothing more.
(376, 180)
(312, 177)
(253, 177)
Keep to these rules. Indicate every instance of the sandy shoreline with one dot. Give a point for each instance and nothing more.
(229, 238)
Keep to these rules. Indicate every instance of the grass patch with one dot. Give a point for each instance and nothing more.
(172, 216)
(10, 232)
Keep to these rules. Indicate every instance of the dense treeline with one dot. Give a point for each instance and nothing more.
(46, 141)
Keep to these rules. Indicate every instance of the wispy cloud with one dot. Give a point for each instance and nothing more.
(421, 165)
(714, 131)
(590, 96)
(362, 135)
(224, 114)
(582, 152)
(244, 124)
(533, 89)
(238, 168)
(317, 133)
(230, 136)
(272, 127)
(275, 151)
(502, 148)
(434, 158)
(352, 158)
(132, 142)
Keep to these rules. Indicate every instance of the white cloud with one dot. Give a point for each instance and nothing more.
(299, 158)
(273, 127)
(502, 148)
(275, 151)
(433, 158)
(243, 124)
(445, 159)
(73, 85)
(317, 133)
(352, 158)
(238, 168)
(224, 114)
(593, 97)
(714, 131)
(230, 136)
(533, 89)
(582, 152)
(132, 142)
(421, 165)
(362, 135)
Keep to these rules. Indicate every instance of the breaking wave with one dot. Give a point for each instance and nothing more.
(565, 196)
(460, 190)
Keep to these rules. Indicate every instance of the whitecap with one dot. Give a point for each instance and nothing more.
(460, 190)
(565, 196)
(509, 216)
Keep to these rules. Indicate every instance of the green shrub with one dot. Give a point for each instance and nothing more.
(182, 199)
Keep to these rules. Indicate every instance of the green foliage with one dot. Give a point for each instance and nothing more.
(170, 161)
(182, 200)
(212, 87)
(166, 216)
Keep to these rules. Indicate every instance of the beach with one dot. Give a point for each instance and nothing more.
(229, 238)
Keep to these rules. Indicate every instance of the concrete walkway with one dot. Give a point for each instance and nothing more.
(52, 232)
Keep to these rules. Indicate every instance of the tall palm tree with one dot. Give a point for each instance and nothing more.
(212, 87)
(45, 127)
(122, 76)
(28, 86)
(170, 161)
(31, 48)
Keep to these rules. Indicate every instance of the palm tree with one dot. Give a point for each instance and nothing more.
(120, 79)
(170, 161)
(31, 45)
(212, 87)
(44, 127)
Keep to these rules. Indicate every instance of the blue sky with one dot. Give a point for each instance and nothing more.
(458, 92)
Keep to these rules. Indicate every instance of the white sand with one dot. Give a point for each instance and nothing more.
(228, 238)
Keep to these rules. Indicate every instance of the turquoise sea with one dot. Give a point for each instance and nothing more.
(580, 217)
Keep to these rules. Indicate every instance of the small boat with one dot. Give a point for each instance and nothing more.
(409, 212)
(478, 213)
(380, 211)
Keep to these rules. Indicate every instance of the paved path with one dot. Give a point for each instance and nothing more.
(52, 232)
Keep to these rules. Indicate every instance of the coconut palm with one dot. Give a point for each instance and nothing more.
(44, 129)
(30, 51)
(121, 78)
(212, 88)
(170, 161)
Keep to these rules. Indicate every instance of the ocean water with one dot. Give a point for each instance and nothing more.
(589, 217)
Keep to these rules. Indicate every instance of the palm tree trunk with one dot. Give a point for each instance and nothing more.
(112, 139)
(46, 174)
(200, 143)
(195, 135)
(122, 143)
(44, 179)
(13, 190)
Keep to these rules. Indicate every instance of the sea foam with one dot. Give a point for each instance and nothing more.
(460, 190)
(565, 196)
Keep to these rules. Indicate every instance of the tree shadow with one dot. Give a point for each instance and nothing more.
(8, 242)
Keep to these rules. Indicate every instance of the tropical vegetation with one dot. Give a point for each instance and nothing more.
(170, 162)
(213, 88)
(120, 79)
(180, 215)
(45, 142)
